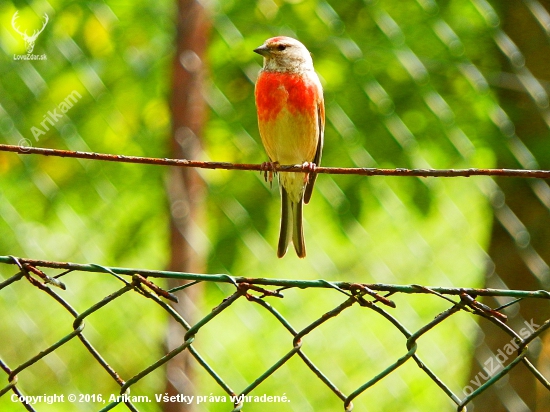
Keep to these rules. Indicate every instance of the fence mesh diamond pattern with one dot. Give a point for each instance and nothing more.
(259, 291)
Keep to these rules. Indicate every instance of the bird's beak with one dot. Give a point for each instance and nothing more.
(263, 50)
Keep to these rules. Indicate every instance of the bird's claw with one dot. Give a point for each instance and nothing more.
(308, 168)
(269, 169)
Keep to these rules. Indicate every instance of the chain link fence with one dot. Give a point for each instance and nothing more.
(417, 84)
(260, 291)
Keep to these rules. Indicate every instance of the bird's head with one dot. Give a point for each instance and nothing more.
(285, 54)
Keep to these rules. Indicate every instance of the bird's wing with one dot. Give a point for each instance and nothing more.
(318, 152)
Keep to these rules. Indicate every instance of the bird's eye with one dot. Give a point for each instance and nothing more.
(281, 47)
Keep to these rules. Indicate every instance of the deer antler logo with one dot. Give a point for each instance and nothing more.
(29, 40)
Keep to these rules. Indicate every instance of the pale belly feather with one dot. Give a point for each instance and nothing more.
(291, 139)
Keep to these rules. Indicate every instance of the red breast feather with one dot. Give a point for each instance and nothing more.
(287, 116)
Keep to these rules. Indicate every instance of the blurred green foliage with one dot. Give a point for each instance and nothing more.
(377, 115)
(116, 56)
(401, 91)
(396, 95)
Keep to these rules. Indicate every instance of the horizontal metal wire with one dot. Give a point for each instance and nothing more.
(367, 171)
(257, 291)
(286, 283)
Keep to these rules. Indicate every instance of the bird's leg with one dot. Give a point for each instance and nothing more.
(269, 169)
(308, 168)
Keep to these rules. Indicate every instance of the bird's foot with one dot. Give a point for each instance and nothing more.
(269, 169)
(308, 168)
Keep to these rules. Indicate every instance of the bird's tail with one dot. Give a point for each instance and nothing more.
(291, 226)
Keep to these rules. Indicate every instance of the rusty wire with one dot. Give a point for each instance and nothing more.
(373, 297)
(363, 171)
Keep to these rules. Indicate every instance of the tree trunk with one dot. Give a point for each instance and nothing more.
(520, 251)
(186, 189)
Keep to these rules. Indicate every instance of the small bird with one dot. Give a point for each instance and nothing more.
(291, 119)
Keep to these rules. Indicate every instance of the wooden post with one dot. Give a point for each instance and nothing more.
(186, 189)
